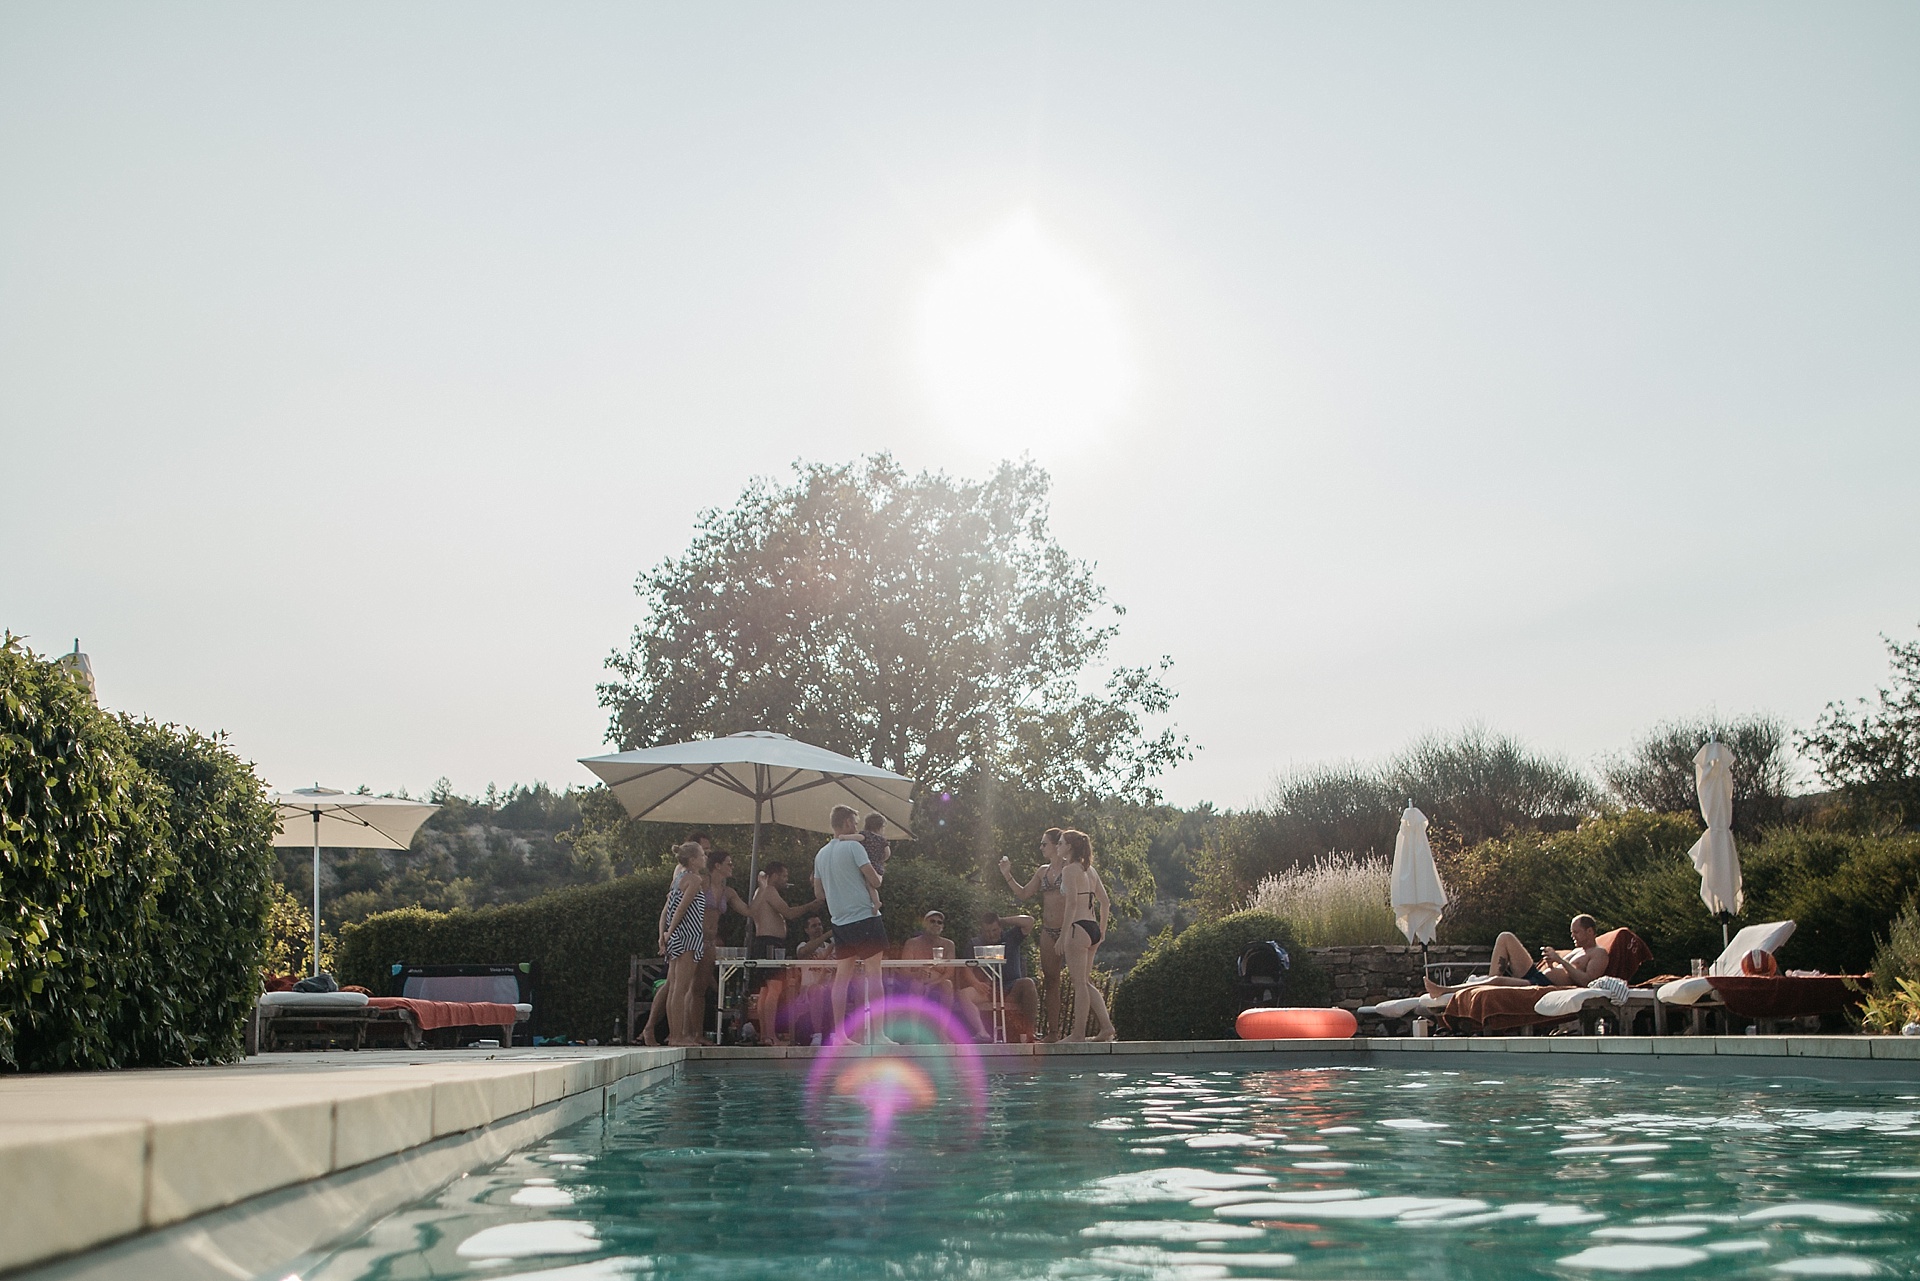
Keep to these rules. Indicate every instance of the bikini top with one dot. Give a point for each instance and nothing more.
(1051, 884)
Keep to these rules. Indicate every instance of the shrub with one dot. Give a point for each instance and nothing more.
(1474, 786)
(1626, 869)
(1340, 900)
(1182, 987)
(1843, 890)
(916, 886)
(133, 867)
(1632, 869)
(209, 946)
(580, 938)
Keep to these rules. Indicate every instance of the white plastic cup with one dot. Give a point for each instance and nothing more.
(1422, 1027)
(1699, 968)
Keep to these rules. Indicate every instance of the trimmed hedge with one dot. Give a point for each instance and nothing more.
(1182, 988)
(581, 938)
(135, 861)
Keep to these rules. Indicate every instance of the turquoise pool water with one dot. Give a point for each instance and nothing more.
(1334, 1172)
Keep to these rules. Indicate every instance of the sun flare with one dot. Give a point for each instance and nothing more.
(1020, 345)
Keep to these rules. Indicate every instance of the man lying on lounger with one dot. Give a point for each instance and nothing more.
(1512, 967)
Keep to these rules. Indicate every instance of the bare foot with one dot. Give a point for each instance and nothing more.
(1108, 1035)
(1435, 989)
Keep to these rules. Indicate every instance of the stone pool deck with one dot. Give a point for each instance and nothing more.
(233, 1170)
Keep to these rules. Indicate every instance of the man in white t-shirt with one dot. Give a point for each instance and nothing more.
(846, 878)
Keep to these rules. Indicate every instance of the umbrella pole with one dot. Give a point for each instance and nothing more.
(753, 861)
(316, 890)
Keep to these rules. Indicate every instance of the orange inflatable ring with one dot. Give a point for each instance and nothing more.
(1283, 1024)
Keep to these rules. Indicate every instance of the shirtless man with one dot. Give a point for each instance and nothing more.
(1512, 967)
(943, 983)
(770, 915)
(1046, 882)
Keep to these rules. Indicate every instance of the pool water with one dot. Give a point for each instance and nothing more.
(1331, 1172)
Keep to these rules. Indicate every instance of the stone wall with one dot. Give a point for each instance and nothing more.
(1369, 975)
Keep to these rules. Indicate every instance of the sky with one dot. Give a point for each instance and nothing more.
(1400, 367)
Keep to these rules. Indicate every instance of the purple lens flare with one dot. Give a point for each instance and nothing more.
(934, 1067)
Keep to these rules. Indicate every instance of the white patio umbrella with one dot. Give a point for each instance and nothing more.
(343, 821)
(1418, 898)
(1714, 855)
(753, 777)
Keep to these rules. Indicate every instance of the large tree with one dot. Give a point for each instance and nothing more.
(1871, 751)
(926, 624)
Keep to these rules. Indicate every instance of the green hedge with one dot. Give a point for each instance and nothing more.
(1842, 889)
(135, 861)
(581, 938)
(1182, 988)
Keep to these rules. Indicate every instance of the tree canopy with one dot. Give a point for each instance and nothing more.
(1657, 774)
(1871, 751)
(926, 624)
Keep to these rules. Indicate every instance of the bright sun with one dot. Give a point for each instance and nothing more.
(1020, 345)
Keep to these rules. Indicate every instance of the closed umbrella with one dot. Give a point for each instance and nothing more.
(752, 777)
(1418, 898)
(342, 821)
(1714, 855)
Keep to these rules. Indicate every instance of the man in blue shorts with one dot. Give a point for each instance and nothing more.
(845, 877)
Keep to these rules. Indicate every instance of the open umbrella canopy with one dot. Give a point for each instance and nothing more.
(1714, 855)
(347, 821)
(1418, 898)
(324, 816)
(750, 778)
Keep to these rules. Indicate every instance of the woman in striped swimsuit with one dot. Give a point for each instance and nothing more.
(683, 939)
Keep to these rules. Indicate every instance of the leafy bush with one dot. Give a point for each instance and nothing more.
(1626, 869)
(1182, 988)
(1339, 901)
(1474, 786)
(290, 937)
(133, 872)
(580, 937)
(1898, 957)
(204, 957)
(1841, 889)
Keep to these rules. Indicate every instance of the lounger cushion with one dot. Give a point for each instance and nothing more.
(1401, 1007)
(310, 1002)
(1560, 1002)
(1694, 991)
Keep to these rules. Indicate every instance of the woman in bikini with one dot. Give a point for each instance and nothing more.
(1087, 911)
(683, 941)
(1046, 882)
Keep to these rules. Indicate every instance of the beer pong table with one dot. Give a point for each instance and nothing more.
(991, 967)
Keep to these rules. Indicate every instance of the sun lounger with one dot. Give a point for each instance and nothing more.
(285, 1020)
(1591, 1003)
(1499, 1008)
(1697, 996)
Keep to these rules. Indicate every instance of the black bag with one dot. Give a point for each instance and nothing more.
(1261, 975)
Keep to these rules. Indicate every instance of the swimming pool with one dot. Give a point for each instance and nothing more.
(915, 1170)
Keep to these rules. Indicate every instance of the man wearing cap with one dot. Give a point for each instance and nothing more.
(937, 982)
